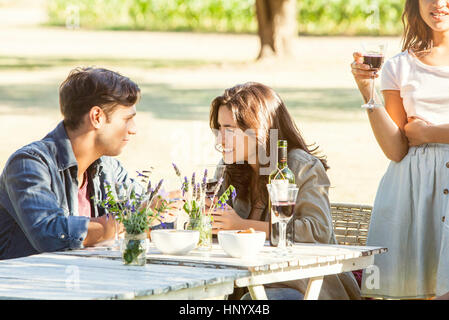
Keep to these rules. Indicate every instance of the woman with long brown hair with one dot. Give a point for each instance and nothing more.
(245, 118)
(413, 131)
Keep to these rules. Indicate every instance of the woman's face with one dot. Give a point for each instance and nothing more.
(237, 145)
(435, 14)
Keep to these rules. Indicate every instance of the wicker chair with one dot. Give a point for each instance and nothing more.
(351, 222)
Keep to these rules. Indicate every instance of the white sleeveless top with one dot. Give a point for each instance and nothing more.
(423, 88)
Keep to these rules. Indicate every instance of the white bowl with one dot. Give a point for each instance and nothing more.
(241, 245)
(176, 242)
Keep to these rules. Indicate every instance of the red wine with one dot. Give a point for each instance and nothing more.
(282, 172)
(283, 210)
(373, 60)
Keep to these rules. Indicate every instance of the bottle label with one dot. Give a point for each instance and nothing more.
(279, 190)
(282, 155)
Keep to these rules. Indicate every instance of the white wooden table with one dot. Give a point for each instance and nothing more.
(57, 276)
(313, 261)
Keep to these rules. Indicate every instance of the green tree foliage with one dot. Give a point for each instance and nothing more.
(317, 17)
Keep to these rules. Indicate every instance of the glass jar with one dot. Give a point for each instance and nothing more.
(134, 249)
(203, 224)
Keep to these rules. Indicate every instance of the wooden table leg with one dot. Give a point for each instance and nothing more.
(258, 292)
(313, 288)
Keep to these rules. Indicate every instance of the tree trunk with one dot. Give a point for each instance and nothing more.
(277, 27)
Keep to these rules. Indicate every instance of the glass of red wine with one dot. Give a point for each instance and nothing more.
(283, 199)
(214, 173)
(373, 55)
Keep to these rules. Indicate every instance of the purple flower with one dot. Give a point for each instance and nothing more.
(140, 174)
(198, 190)
(158, 187)
(204, 183)
(218, 186)
(178, 173)
(193, 180)
(194, 191)
(149, 190)
(185, 185)
(222, 204)
(233, 194)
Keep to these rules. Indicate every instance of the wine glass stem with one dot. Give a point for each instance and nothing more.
(371, 100)
(282, 234)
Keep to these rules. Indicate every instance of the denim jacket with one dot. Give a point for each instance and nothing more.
(39, 196)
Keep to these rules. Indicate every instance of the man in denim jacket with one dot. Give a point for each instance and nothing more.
(42, 207)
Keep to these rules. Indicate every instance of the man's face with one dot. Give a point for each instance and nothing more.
(115, 133)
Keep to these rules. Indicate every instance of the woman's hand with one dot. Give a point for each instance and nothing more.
(209, 203)
(362, 74)
(170, 214)
(416, 131)
(226, 219)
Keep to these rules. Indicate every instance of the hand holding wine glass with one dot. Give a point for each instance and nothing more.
(365, 69)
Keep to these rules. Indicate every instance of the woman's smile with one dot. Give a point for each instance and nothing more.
(439, 15)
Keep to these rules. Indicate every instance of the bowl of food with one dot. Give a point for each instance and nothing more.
(241, 243)
(175, 242)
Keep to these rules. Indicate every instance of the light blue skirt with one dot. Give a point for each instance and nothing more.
(410, 217)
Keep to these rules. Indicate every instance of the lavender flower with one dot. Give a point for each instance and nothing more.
(149, 188)
(193, 180)
(157, 189)
(218, 186)
(204, 184)
(198, 191)
(124, 203)
(140, 174)
(233, 194)
(194, 191)
(185, 186)
(178, 173)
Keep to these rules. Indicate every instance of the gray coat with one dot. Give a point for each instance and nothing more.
(312, 221)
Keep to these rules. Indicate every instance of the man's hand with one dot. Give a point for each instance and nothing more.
(417, 131)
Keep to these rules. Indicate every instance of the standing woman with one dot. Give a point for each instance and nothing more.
(257, 107)
(411, 205)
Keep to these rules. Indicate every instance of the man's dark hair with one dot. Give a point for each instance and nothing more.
(85, 88)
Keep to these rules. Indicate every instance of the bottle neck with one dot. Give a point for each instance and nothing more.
(282, 157)
(282, 165)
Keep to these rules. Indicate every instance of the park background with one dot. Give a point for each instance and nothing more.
(183, 54)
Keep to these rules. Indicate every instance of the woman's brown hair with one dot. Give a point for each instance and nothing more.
(256, 106)
(417, 36)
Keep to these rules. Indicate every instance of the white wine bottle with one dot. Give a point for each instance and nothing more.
(282, 173)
